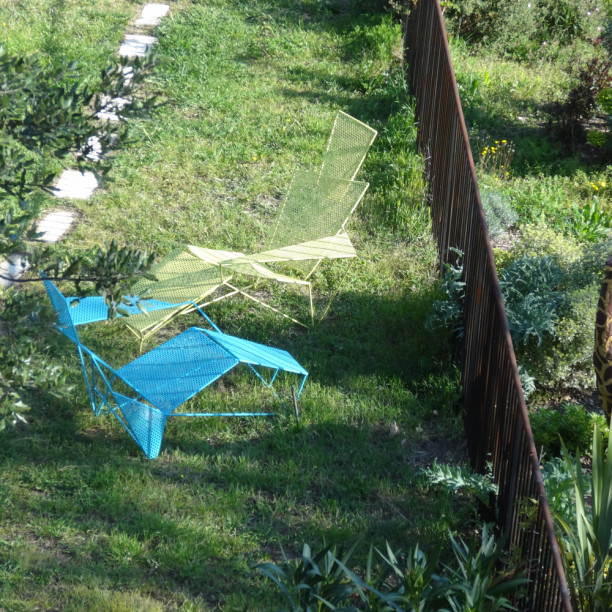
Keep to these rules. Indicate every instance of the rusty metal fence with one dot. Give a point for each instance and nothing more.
(496, 417)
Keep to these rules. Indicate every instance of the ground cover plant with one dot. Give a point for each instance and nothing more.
(249, 92)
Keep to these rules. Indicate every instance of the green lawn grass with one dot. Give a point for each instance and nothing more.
(87, 32)
(249, 93)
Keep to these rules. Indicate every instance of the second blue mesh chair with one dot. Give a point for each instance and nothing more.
(144, 393)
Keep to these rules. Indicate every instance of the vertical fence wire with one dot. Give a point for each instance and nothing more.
(496, 418)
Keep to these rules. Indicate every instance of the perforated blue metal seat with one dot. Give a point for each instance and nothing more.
(93, 309)
(143, 393)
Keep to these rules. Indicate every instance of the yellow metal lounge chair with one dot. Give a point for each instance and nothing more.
(311, 224)
(310, 228)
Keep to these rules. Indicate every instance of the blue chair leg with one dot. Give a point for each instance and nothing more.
(145, 424)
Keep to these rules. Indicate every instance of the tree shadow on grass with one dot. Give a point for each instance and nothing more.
(225, 494)
(197, 519)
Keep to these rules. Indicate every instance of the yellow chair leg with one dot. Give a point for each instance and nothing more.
(262, 303)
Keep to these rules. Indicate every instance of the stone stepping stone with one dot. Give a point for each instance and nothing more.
(111, 109)
(55, 224)
(128, 73)
(52, 227)
(13, 268)
(95, 154)
(152, 14)
(136, 45)
(76, 185)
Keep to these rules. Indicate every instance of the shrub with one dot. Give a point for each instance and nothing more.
(568, 358)
(570, 425)
(518, 29)
(471, 19)
(530, 288)
(560, 488)
(586, 540)
(459, 477)
(592, 79)
(550, 285)
(48, 116)
(528, 382)
(540, 240)
(564, 20)
(524, 30)
(590, 223)
(448, 311)
(313, 578)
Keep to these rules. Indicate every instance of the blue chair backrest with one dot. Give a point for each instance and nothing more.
(62, 308)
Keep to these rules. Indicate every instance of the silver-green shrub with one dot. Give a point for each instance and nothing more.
(499, 212)
(550, 285)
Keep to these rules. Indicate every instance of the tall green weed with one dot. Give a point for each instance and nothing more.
(524, 30)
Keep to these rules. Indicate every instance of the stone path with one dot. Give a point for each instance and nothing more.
(55, 224)
(136, 45)
(74, 184)
(13, 268)
(112, 108)
(152, 14)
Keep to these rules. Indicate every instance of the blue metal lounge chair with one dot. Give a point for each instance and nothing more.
(143, 393)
